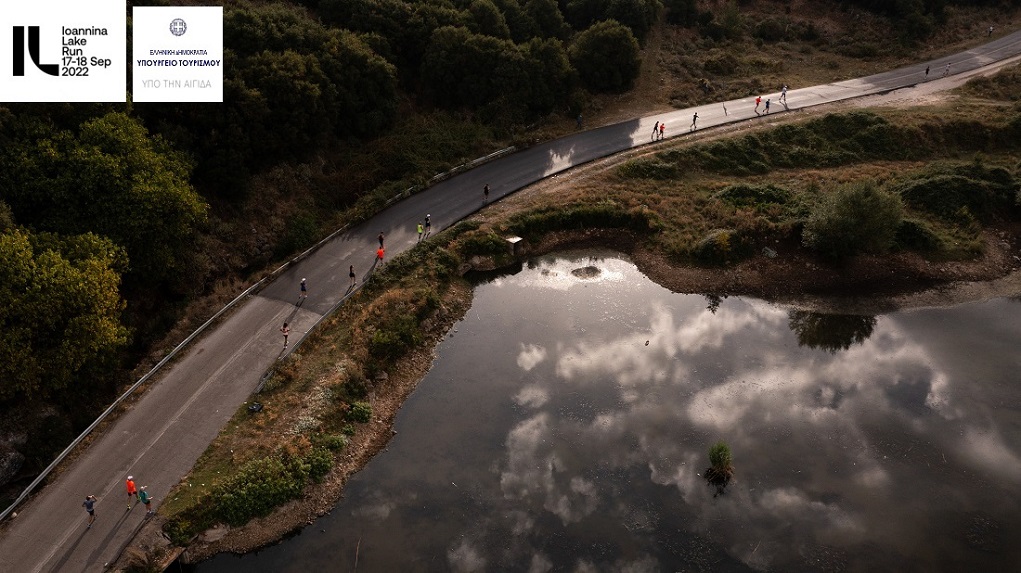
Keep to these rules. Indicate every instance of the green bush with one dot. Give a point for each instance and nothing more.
(333, 442)
(648, 169)
(360, 412)
(483, 244)
(720, 247)
(720, 458)
(319, 462)
(265, 483)
(179, 531)
(604, 215)
(856, 218)
(745, 195)
(255, 490)
(917, 235)
(945, 189)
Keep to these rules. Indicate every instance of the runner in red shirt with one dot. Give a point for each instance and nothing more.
(132, 490)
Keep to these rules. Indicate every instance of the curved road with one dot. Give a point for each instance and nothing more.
(163, 433)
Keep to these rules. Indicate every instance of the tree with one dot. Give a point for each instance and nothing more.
(638, 15)
(61, 311)
(548, 18)
(488, 20)
(522, 26)
(551, 77)
(854, 219)
(114, 180)
(606, 57)
(683, 12)
(465, 69)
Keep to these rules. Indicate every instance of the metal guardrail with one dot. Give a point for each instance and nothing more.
(262, 282)
(124, 396)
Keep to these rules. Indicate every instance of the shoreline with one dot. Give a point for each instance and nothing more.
(901, 282)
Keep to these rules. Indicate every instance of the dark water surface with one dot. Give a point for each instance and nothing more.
(566, 422)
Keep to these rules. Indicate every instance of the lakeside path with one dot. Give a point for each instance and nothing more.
(162, 434)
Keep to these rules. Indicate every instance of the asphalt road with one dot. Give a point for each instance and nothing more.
(163, 433)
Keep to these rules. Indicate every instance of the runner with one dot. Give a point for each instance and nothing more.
(130, 483)
(694, 121)
(351, 273)
(758, 100)
(143, 496)
(783, 94)
(89, 505)
(655, 129)
(285, 330)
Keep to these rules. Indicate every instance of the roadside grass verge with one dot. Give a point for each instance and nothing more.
(319, 399)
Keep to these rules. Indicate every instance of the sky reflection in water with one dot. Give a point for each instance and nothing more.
(566, 423)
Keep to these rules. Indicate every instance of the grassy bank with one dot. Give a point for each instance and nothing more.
(328, 401)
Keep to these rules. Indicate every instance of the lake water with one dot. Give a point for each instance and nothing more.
(566, 423)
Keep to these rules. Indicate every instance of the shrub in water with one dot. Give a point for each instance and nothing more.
(854, 219)
(721, 468)
(720, 458)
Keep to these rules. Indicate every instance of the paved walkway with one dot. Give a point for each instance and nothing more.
(162, 435)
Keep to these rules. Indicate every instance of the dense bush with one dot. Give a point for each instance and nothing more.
(264, 483)
(720, 247)
(484, 244)
(360, 412)
(606, 215)
(945, 189)
(746, 195)
(853, 219)
(396, 319)
(918, 235)
(648, 169)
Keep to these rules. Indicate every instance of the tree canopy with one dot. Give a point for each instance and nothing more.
(112, 179)
(606, 57)
(60, 307)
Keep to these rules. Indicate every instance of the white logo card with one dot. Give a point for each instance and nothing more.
(177, 53)
(63, 51)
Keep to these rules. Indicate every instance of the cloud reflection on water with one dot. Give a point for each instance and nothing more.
(813, 432)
